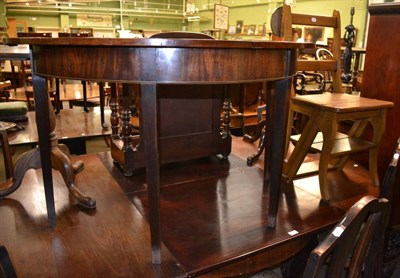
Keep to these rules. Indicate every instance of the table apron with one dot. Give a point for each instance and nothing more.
(163, 65)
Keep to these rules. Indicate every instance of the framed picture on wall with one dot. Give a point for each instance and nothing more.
(221, 17)
(382, 1)
(260, 29)
(313, 34)
(252, 30)
(232, 29)
(239, 25)
(245, 29)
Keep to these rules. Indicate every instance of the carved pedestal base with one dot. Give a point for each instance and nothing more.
(60, 161)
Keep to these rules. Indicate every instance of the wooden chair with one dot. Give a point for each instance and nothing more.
(333, 65)
(4, 93)
(6, 266)
(388, 188)
(325, 112)
(22, 74)
(8, 165)
(296, 265)
(352, 248)
(367, 261)
(321, 134)
(325, 54)
(30, 100)
(309, 83)
(282, 22)
(388, 184)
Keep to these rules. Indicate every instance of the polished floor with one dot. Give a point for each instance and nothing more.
(213, 219)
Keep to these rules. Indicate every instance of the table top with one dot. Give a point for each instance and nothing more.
(70, 123)
(341, 102)
(71, 92)
(356, 49)
(14, 52)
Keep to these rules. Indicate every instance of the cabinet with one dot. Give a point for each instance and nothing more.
(189, 128)
(381, 80)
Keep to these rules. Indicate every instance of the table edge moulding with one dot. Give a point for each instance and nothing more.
(152, 62)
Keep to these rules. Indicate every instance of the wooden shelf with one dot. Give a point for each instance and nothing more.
(309, 168)
(245, 37)
(344, 145)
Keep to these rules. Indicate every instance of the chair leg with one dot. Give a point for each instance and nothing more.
(329, 132)
(300, 151)
(378, 126)
(261, 146)
(6, 266)
(6, 153)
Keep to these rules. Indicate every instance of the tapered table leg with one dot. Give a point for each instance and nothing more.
(275, 149)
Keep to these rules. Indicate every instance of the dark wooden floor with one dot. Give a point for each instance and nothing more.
(213, 220)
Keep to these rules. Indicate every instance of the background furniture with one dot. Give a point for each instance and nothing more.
(6, 266)
(15, 54)
(4, 93)
(13, 111)
(381, 80)
(59, 160)
(21, 72)
(295, 266)
(389, 186)
(282, 23)
(7, 157)
(82, 31)
(325, 112)
(72, 127)
(33, 35)
(13, 25)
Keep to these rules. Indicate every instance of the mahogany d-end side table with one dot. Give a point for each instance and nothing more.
(154, 62)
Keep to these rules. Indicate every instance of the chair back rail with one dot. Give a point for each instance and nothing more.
(353, 246)
(289, 19)
(6, 267)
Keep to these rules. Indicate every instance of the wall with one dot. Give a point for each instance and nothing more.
(247, 10)
(259, 14)
(344, 6)
(60, 19)
(2, 15)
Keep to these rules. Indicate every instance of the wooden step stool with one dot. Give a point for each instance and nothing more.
(325, 112)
